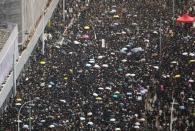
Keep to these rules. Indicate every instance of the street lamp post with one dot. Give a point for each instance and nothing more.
(171, 123)
(30, 101)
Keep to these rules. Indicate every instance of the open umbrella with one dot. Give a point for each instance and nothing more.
(185, 19)
(18, 99)
(63, 101)
(51, 126)
(124, 60)
(100, 57)
(42, 62)
(100, 88)
(96, 66)
(95, 94)
(108, 88)
(98, 98)
(192, 61)
(117, 129)
(116, 16)
(82, 118)
(85, 36)
(90, 123)
(112, 119)
(89, 114)
(18, 104)
(86, 27)
(77, 42)
(105, 65)
(88, 65)
(25, 127)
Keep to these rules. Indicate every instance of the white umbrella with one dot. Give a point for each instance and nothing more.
(123, 32)
(117, 92)
(191, 80)
(129, 93)
(100, 57)
(124, 60)
(142, 119)
(77, 42)
(49, 86)
(112, 53)
(132, 75)
(192, 54)
(108, 88)
(88, 65)
(25, 126)
(92, 61)
(90, 123)
(117, 129)
(19, 121)
(128, 74)
(89, 114)
(146, 40)
(155, 32)
(42, 121)
(156, 67)
(185, 53)
(51, 126)
(137, 49)
(112, 119)
(113, 11)
(191, 99)
(100, 88)
(174, 62)
(105, 65)
(123, 50)
(134, 24)
(95, 94)
(57, 46)
(96, 66)
(139, 98)
(18, 104)
(136, 127)
(27, 79)
(82, 118)
(70, 53)
(63, 101)
(137, 124)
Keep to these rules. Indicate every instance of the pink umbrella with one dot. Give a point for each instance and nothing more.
(185, 19)
(85, 36)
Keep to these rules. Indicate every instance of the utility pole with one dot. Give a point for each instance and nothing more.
(173, 1)
(160, 39)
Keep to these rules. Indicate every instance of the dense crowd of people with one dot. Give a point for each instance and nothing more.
(110, 71)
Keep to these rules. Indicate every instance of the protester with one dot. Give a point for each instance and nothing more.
(109, 71)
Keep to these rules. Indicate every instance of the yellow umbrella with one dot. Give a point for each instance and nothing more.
(86, 27)
(18, 99)
(193, 114)
(177, 76)
(191, 61)
(42, 62)
(116, 16)
(98, 98)
(66, 78)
